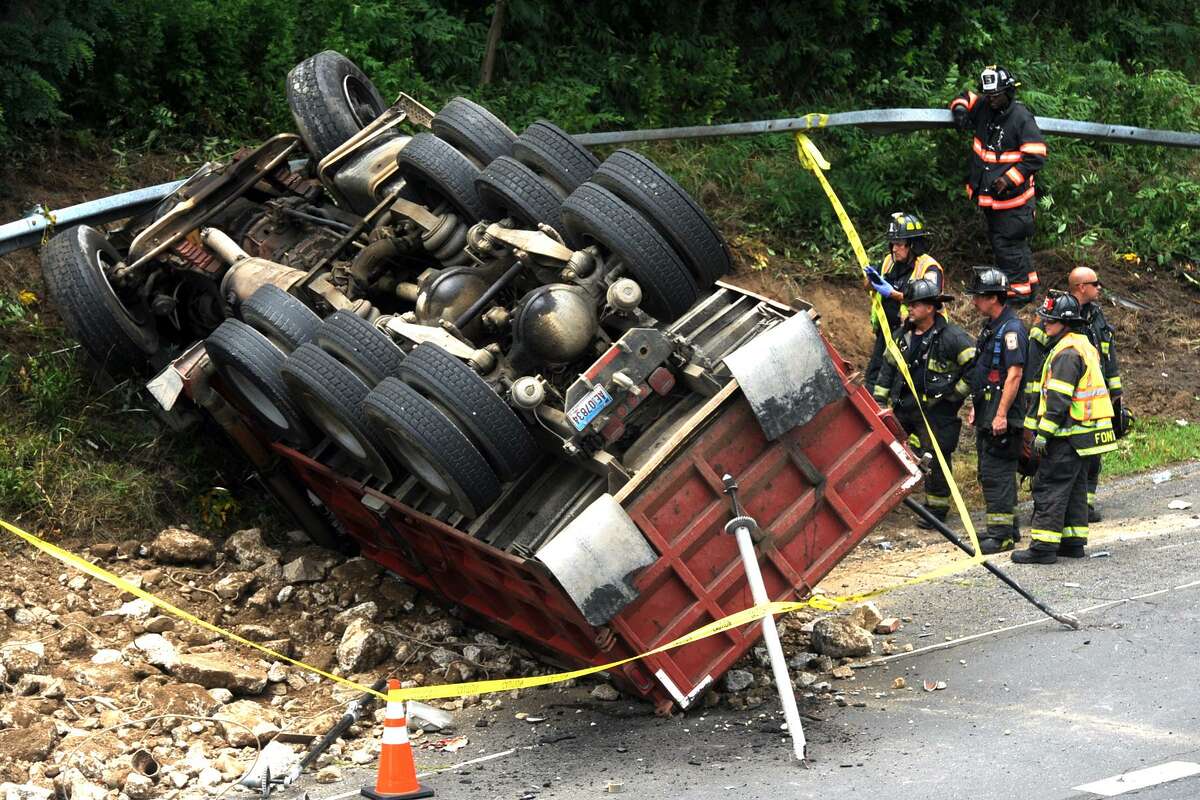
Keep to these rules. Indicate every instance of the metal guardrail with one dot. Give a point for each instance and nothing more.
(28, 231)
(894, 120)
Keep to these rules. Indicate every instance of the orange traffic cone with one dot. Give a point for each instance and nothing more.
(397, 778)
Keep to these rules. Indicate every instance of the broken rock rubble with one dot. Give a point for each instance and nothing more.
(118, 659)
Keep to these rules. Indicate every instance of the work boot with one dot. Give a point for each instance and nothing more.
(1071, 551)
(1094, 514)
(1034, 556)
(990, 545)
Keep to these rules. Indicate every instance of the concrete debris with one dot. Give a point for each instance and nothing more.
(32, 743)
(1162, 476)
(159, 625)
(234, 585)
(842, 673)
(737, 680)
(304, 569)
(840, 637)
(24, 791)
(249, 550)
(887, 626)
(224, 670)
(899, 683)
(241, 721)
(221, 696)
(367, 611)
(329, 774)
(180, 698)
(866, 616)
(934, 686)
(427, 717)
(158, 650)
(136, 609)
(17, 658)
(107, 656)
(606, 693)
(1178, 505)
(138, 786)
(362, 647)
(177, 546)
(805, 679)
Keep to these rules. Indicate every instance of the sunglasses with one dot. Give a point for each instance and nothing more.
(1092, 283)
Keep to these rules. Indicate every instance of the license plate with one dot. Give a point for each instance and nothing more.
(586, 409)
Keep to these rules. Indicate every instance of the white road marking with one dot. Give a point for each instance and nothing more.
(1141, 778)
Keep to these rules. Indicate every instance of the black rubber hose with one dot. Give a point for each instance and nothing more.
(368, 263)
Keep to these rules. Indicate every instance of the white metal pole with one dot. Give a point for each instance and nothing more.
(783, 681)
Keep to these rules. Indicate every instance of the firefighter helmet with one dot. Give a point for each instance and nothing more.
(989, 280)
(1062, 308)
(997, 80)
(925, 290)
(904, 226)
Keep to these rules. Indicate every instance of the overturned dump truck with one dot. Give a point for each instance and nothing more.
(506, 371)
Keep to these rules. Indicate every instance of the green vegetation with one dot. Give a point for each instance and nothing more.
(92, 461)
(1153, 443)
(208, 73)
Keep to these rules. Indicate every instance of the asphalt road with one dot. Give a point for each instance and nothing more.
(1033, 711)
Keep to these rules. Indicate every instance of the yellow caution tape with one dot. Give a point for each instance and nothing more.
(810, 157)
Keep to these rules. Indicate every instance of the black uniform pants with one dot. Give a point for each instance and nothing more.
(1060, 513)
(998, 478)
(876, 362)
(1009, 232)
(1093, 478)
(946, 430)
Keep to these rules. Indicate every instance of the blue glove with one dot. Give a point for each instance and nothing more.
(1039, 445)
(879, 283)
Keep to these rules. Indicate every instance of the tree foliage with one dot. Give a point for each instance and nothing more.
(154, 73)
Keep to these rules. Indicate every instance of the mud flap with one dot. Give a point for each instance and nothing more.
(786, 375)
(596, 558)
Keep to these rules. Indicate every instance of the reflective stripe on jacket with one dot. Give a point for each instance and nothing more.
(1074, 402)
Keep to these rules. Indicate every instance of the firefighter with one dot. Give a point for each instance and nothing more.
(1074, 422)
(938, 354)
(1084, 285)
(907, 260)
(1008, 152)
(997, 405)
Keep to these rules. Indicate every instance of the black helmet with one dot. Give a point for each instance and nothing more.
(1062, 308)
(996, 80)
(923, 289)
(904, 226)
(989, 280)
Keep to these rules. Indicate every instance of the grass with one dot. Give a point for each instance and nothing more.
(1153, 443)
(85, 461)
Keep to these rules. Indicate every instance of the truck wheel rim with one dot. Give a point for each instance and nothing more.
(332, 424)
(257, 398)
(359, 100)
(103, 265)
(421, 467)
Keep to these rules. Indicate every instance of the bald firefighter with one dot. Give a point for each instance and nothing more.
(1084, 285)
(1074, 422)
(1007, 151)
(938, 355)
(907, 260)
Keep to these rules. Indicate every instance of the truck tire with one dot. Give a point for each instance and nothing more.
(420, 436)
(508, 188)
(554, 154)
(362, 347)
(120, 336)
(331, 100)
(477, 133)
(251, 365)
(638, 181)
(331, 396)
(594, 214)
(435, 171)
(282, 318)
(470, 401)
